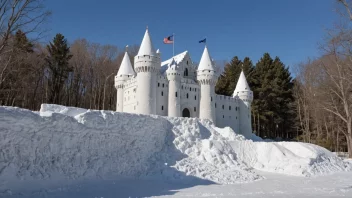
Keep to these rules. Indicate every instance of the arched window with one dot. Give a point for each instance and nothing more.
(195, 97)
(162, 93)
(158, 84)
(162, 107)
(195, 109)
(185, 73)
(176, 94)
(211, 99)
(187, 95)
(229, 107)
(215, 105)
(223, 106)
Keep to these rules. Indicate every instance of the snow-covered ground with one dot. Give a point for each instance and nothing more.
(274, 185)
(71, 152)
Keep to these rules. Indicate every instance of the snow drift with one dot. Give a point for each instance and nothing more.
(71, 143)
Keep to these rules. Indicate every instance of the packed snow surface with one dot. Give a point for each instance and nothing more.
(65, 143)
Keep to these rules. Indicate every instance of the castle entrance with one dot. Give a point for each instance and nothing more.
(186, 113)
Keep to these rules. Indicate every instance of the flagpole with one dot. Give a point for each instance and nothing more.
(173, 45)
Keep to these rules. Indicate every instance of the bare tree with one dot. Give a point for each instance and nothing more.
(25, 15)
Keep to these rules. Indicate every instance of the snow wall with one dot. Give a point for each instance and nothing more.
(71, 143)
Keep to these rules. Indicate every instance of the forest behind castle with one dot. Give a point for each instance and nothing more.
(310, 101)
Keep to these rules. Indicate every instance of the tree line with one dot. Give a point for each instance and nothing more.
(273, 112)
(316, 105)
(313, 106)
(323, 91)
(80, 74)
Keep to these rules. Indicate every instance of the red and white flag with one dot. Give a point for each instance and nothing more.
(169, 40)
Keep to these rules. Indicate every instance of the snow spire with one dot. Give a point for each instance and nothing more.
(205, 62)
(173, 65)
(242, 84)
(126, 66)
(146, 47)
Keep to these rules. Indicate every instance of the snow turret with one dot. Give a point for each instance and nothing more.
(158, 53)
(147, 64)
(173, 72)
(206, 62)
(245, 95)
(207, 77)
(125, 72)
(146, 47)
(174, 76)
(242, 84)
(126, 68)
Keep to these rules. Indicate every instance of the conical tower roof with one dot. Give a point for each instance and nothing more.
(205, 62)
(173, 65)
(242, 84)
(126, 66)
(146, 47)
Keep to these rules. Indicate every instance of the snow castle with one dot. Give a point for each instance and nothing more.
(178, 88)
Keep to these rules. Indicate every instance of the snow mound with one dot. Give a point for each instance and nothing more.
(71, 143)
(49, 109)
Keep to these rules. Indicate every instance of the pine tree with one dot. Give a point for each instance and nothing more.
(273, 103)
(22, 43)
(227, 81)
(22, 47)
(284, 108)
(18, 72)
(59, 68)
(264, 101)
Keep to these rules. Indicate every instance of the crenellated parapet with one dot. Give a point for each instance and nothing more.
(245, 97)
(147, 63)
(207, 82)
(207, 78)
(177, 87)
(124, 74)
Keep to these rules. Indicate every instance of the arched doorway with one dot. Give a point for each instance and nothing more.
(186, 113)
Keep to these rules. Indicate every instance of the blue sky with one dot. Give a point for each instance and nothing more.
(290, 29)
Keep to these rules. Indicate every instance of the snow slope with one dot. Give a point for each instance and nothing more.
(71, 143)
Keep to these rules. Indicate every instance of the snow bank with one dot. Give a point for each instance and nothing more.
(72, 143)
(49, 109)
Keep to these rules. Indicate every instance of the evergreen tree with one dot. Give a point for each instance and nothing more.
(58, 65)
(22, 47)
(273, 103)
(283, 86)
(228, 80)
(264, 97)
(22, 43)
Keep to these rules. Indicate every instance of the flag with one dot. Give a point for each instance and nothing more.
(169, 40)
(203, 41)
